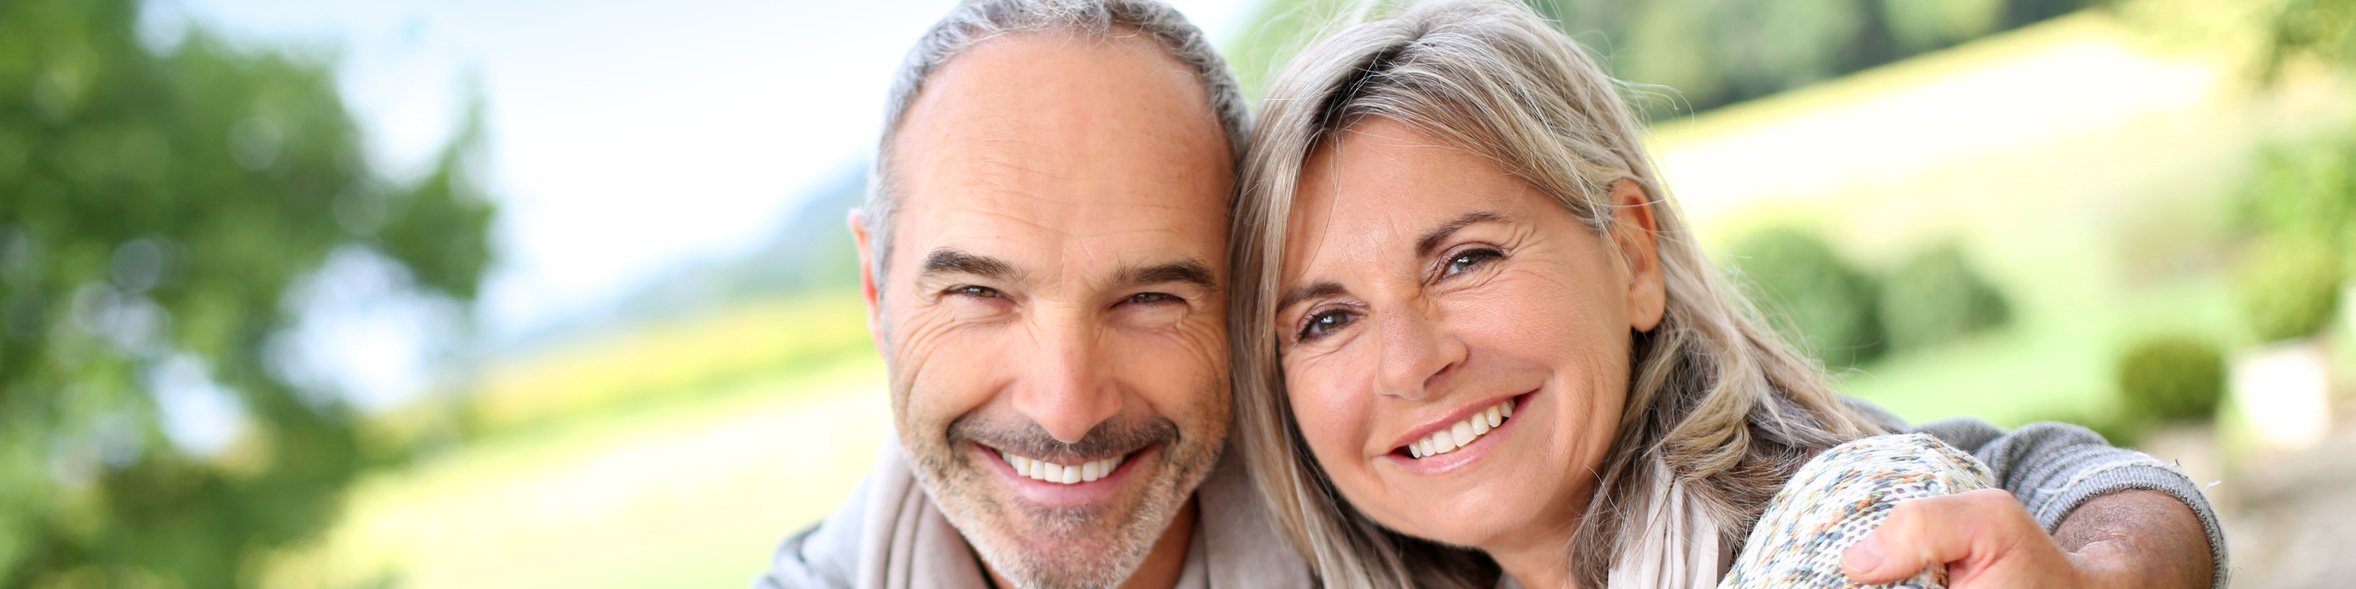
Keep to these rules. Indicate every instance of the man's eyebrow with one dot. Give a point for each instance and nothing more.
(1431, 239)
(1193, 272)
(1318, 290)
(954, 261)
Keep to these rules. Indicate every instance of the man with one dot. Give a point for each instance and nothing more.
(1045, 260)
(1044, 264)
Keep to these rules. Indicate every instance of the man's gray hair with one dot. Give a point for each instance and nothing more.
(976, 21)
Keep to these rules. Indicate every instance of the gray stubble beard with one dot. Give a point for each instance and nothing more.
(956, 486)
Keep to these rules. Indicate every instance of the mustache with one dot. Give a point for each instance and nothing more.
(1119, 436)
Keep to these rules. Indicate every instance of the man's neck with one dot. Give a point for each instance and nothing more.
(1162, 567)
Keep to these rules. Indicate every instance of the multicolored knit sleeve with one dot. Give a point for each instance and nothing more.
(1839, 497)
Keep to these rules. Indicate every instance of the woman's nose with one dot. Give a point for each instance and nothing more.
(1416, 351)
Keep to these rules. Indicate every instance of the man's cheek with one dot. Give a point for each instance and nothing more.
(945, 375)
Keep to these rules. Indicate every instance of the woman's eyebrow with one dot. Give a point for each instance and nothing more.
(1431, 239)
(1318, 290)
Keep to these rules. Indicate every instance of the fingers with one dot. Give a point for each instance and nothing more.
(1970, 528)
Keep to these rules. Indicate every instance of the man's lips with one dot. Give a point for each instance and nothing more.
(1027, 475)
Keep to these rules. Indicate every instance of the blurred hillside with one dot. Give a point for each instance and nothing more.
(810, 252)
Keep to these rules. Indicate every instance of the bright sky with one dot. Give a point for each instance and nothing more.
(625, 138)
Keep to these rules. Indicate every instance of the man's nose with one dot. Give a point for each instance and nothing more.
(1414, 350)
(1065, 386)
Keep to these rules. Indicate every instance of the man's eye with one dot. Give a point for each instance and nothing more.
(1469, 261)
(1149, 298)
(974, 291)
(1323, 323)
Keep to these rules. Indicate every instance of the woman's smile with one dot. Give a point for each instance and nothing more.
(1450, 445)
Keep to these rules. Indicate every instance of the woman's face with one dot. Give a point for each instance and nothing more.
(1424, 287)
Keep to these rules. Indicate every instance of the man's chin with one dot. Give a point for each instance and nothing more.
(1051, 554)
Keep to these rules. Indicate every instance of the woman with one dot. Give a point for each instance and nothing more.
(1469, 316)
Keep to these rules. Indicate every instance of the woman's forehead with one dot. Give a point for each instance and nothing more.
(1384, 188)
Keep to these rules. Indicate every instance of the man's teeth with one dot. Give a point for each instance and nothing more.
(1463, 433)
(1059, 474)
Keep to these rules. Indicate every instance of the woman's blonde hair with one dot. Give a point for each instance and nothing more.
(1719, 411)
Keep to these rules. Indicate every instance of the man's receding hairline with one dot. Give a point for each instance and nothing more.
(1198, 98)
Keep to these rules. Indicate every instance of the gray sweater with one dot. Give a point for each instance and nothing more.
(888, 535)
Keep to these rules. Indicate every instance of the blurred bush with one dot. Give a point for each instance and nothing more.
(2289, 286)
(2300, 214)
(156, 203)
(1812, 295)
(2173, 378)
(1936, 297)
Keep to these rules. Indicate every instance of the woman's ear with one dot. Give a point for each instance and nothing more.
(1634, 231)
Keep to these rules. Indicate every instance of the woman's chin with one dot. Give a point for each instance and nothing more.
(1479, 516)
(1480, 527)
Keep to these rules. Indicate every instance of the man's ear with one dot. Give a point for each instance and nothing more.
(859, 223)
(1635, 231)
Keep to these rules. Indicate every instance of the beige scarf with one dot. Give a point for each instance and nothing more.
(1679, 549)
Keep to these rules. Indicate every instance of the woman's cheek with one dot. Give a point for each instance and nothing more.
(1332, 418)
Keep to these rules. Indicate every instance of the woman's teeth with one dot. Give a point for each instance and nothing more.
(1463, 433)
(1059, 474)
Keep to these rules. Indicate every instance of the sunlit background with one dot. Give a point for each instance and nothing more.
(443, 293)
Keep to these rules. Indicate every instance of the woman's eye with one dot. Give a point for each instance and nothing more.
(974, 291)
(1149, 298)
(1469, 261)
(1324, 323)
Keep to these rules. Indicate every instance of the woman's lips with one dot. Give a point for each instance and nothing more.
(1428, 439)
(1449, 445)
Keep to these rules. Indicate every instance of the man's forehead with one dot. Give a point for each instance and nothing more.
(1066, 150)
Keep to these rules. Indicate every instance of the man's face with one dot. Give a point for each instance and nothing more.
(1053, 299)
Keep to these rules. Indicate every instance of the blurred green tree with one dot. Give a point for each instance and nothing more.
(155, 206)
(1812, 295)
(2300, 210)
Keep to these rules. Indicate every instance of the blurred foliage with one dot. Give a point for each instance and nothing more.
(2300, 211)
(1935, 297)
(1849, 315)
(2321, 28)
(2289, 286)
(155, 206)
(1706, 53)
(2173, 378)
(1813, 295)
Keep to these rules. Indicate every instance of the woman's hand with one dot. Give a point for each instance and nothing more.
(1987, 540)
